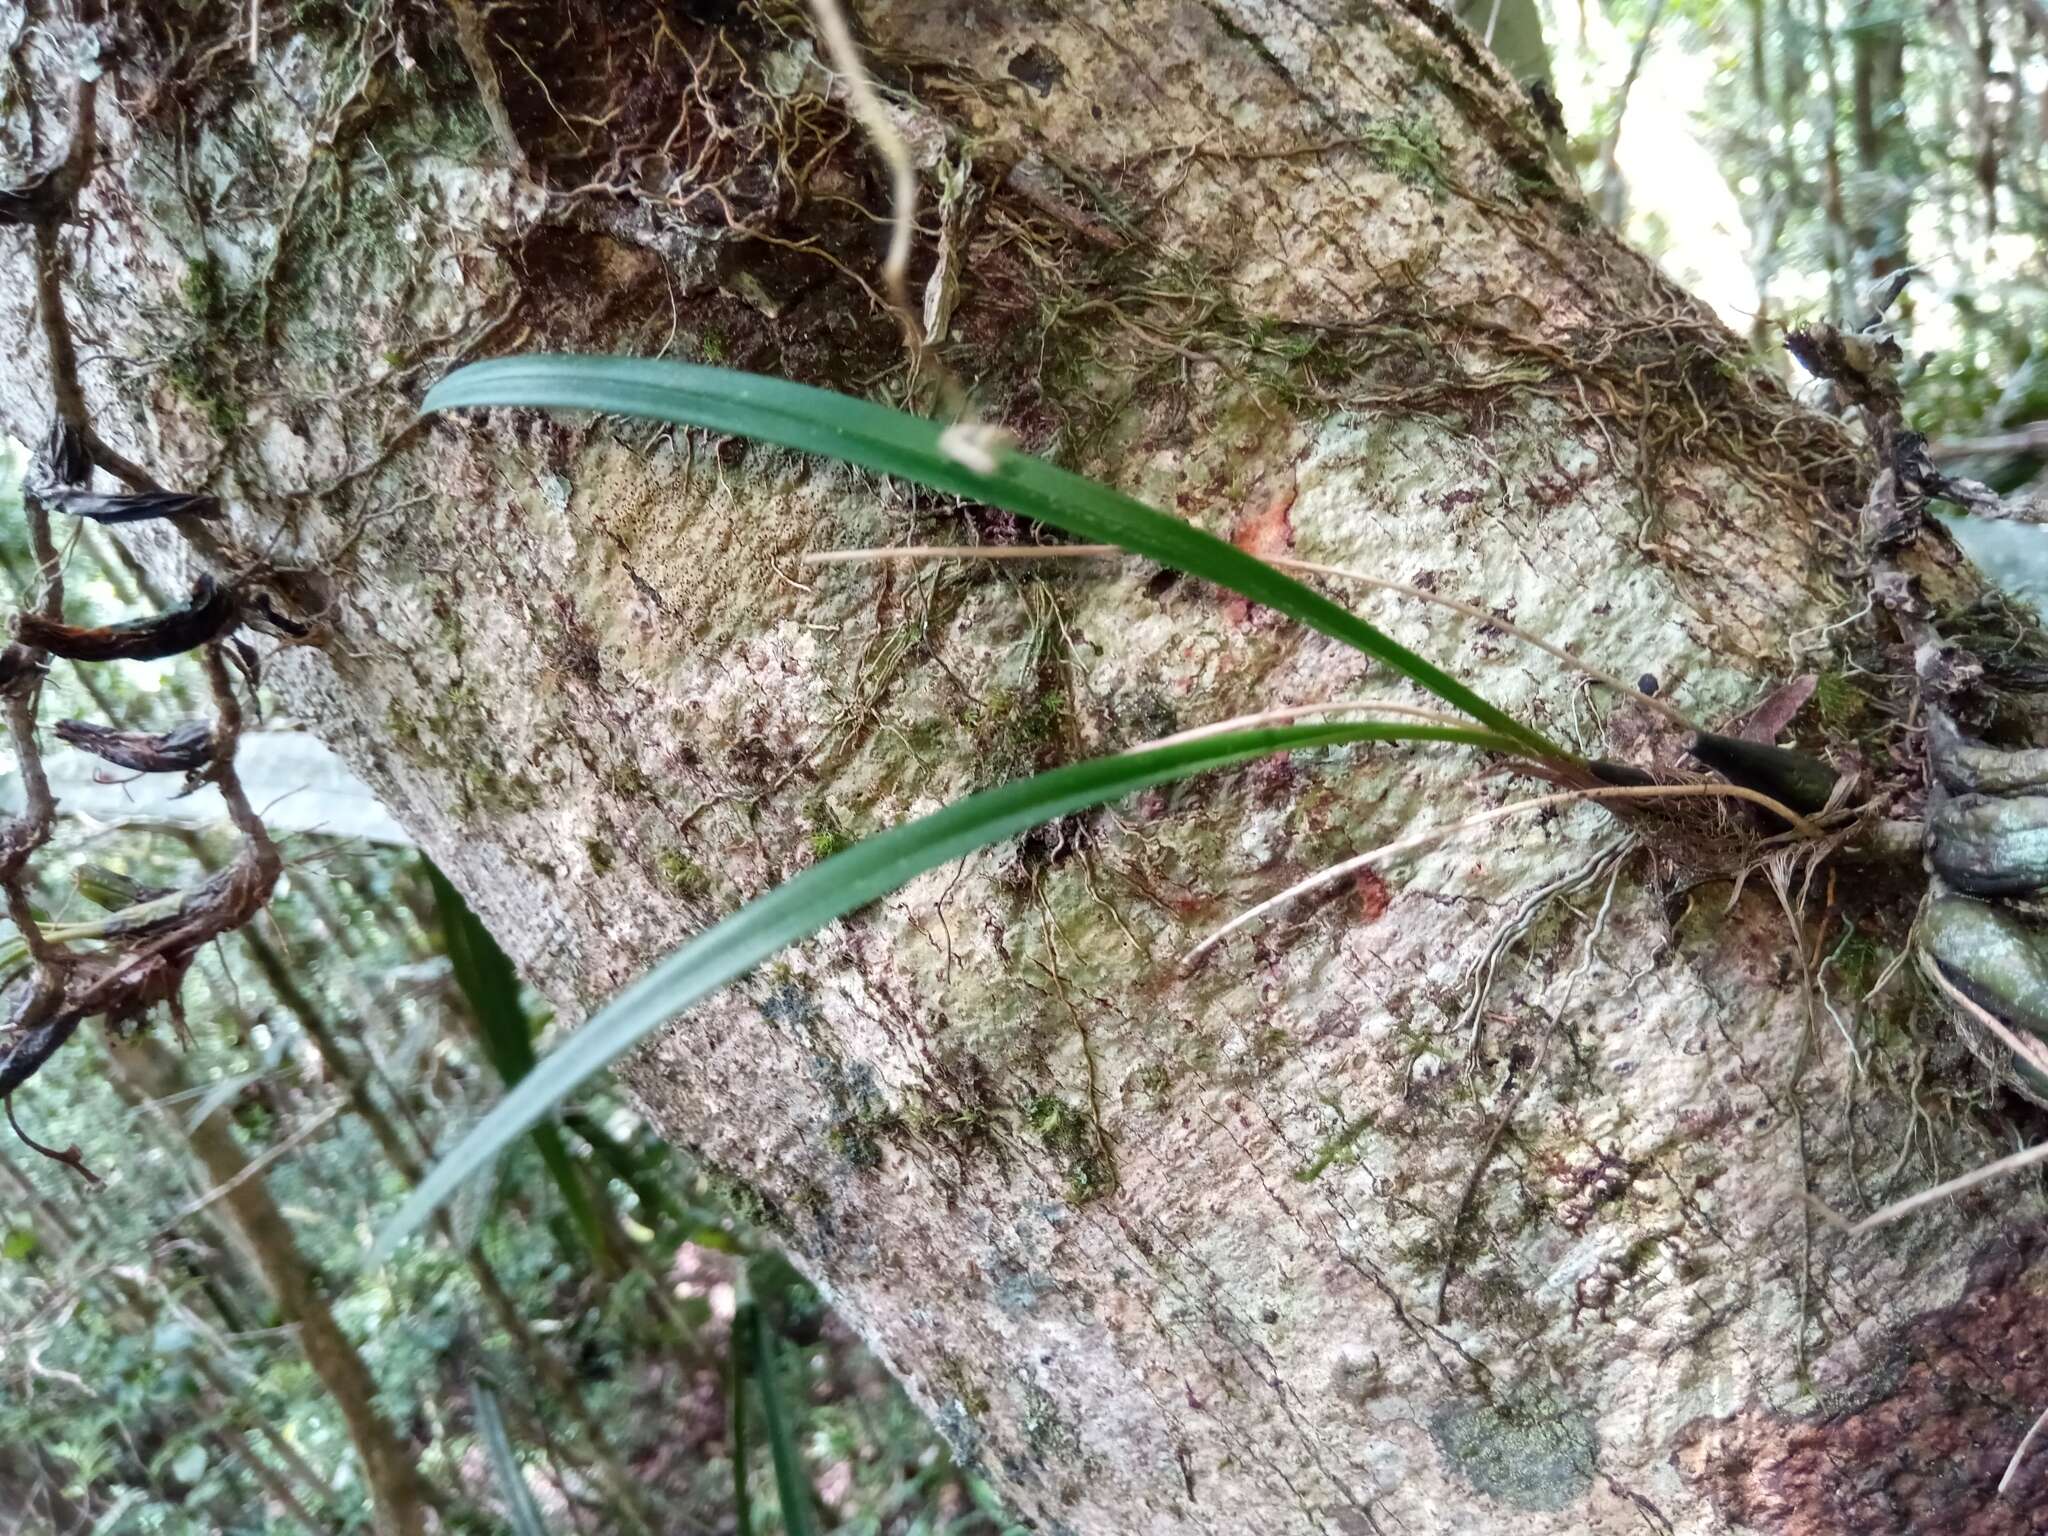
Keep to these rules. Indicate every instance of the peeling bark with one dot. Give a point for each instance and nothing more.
(1471, 1200)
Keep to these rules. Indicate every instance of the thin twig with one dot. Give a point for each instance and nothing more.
(71, 1157)
(1956, 1186)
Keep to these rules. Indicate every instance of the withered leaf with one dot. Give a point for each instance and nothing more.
(180, 750)
(135, 506)
(212, 612)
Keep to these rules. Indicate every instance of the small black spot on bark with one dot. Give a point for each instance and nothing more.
(1038, 67)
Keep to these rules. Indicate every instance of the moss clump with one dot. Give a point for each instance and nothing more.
(628, 782)
(201, 369)
(1049, 1436)
(1017, 732)
(484, 789)
(1066, 1133)
(927, 738)
(854, 1143)
(1857, 962)
(827, 835)
(324, 18)
(681, 873)
(1154, 1081)
(197, 376)
(601, 856)
(748, 1205)
(962, 1385)
(1638, 1254)
(205, 290)
(1408, 146)
(399, 726)
(1838, 703)
(1338, 1146)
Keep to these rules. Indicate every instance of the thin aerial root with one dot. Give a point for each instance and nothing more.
(874, 119)
(1352, 866)
(1956, 1186)
(971, 442)
(1472, 1021)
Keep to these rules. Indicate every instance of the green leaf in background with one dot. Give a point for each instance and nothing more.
(189, 1465)
(792, 1486)
(841, 884)
(490, 1424)
(18, 1244)
(736, 1402)
(489, 984)
(892, 442)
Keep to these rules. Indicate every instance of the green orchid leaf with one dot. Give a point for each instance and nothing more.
(847, 881)
(891, 442)
(524, 1515)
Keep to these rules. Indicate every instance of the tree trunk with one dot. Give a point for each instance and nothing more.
(1473, 1200)
(397, 1493)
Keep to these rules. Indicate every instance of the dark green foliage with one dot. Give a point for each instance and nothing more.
(490, 986)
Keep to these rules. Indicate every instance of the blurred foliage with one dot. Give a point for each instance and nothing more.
(145, 1385)
(1856, 138)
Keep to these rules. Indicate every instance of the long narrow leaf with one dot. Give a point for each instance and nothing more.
(836, 886)
(736, 1401)
(490, 1422)
(792, 1486)
(488, 983)
(891, 442)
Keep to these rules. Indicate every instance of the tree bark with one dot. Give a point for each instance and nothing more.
(1474, 1200)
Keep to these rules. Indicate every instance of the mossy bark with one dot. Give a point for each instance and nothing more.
(1372, 1222)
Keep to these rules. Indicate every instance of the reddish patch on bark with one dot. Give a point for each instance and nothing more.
(1922, 1453)
(1372, 896)
(1263, 530)
(1272, 779)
